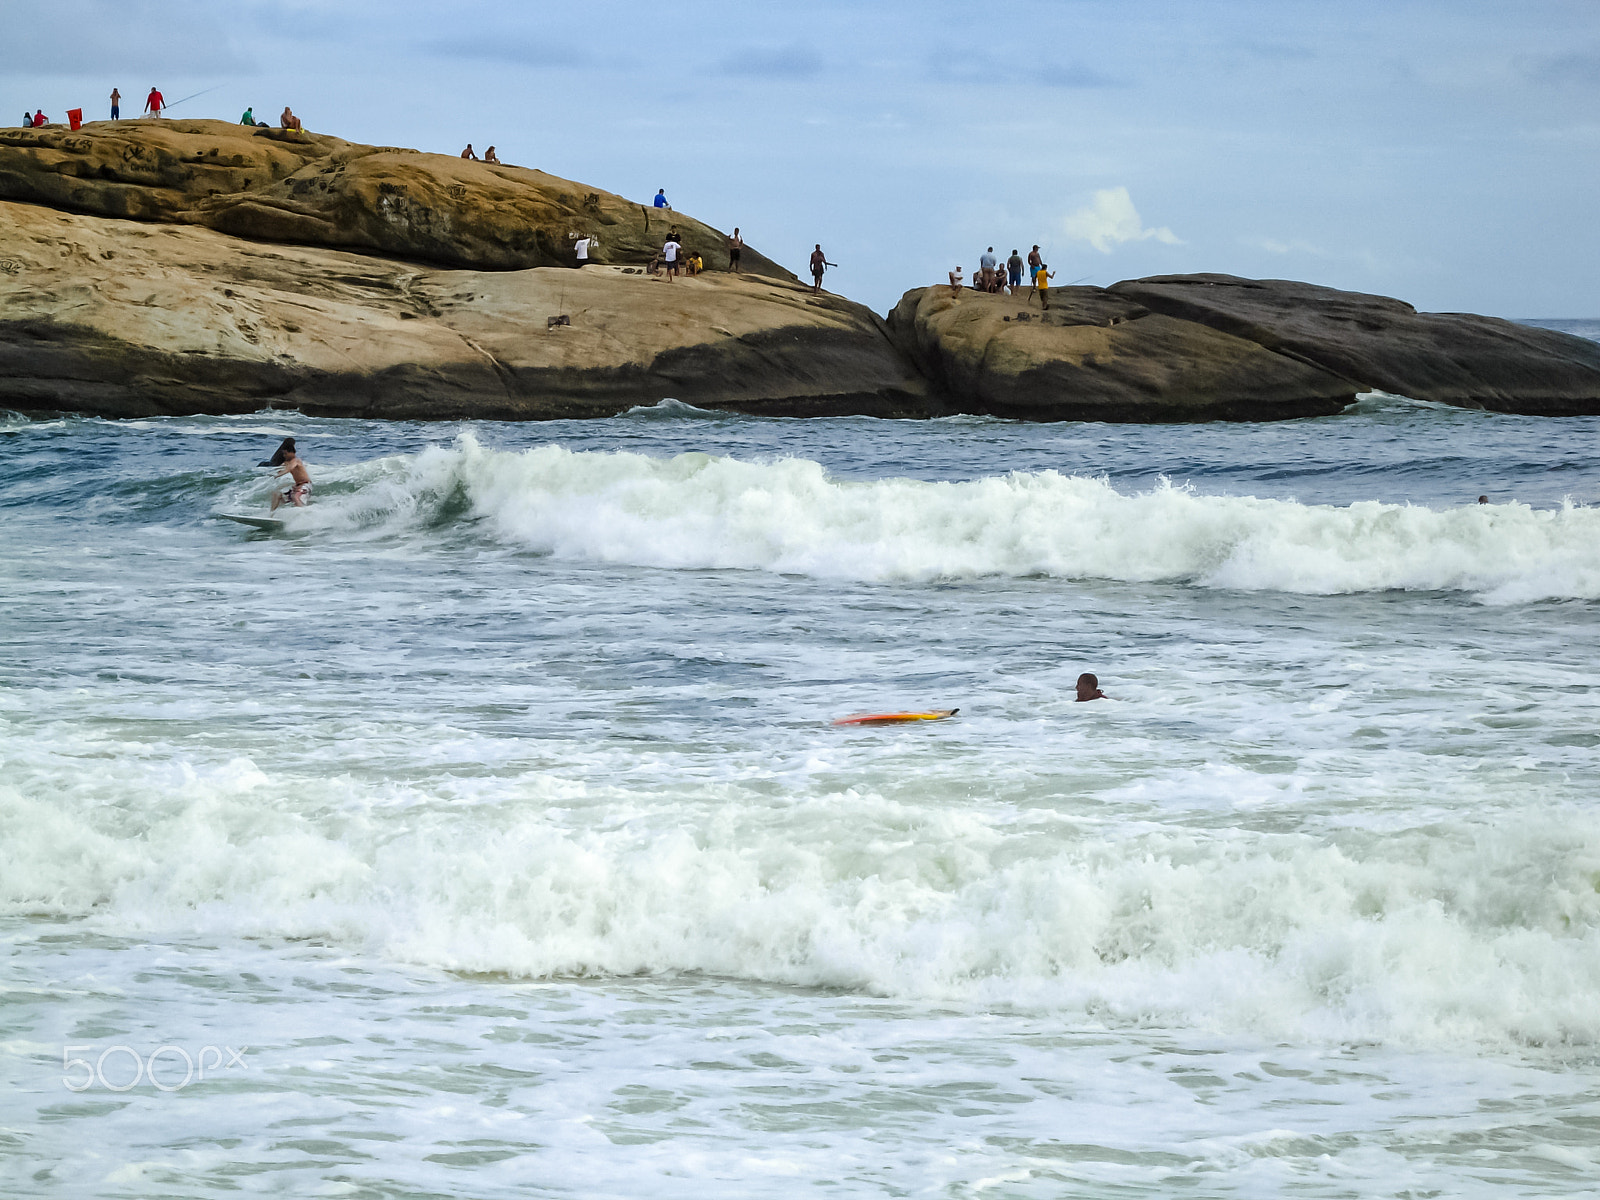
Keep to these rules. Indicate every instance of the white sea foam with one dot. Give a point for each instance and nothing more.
(1471, 933)
(790, 516)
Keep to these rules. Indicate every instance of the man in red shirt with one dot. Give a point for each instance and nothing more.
(154, 103)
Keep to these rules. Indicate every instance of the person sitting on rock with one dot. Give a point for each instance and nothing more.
(661, 199)
(288, 120)
(489, 156)
(467, 153)
(696, 264)
(38, 120)
(249, 117)
(955, 281)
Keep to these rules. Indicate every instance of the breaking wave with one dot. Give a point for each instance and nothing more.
(697, 511)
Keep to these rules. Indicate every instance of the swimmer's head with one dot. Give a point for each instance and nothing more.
(1089, 687)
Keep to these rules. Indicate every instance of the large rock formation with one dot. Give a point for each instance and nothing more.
(1200, 347)
(1095, 356)
(122, 317)
(1383, 344)
(279, 186)
(198, 266)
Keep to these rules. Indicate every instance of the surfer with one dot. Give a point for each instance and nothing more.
(1089, 688)
(299, 478)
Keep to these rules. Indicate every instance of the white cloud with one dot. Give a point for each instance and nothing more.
(1111, 220)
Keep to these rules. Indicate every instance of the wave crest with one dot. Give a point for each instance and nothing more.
(698, 511)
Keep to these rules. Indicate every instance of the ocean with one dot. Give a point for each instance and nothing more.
(486, 833)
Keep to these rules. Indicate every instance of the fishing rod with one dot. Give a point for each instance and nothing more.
(186, 99)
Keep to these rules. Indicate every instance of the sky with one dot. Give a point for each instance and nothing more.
(1447, 153)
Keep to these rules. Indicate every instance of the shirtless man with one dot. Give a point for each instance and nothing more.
(468, 153)
(819, 264)
(300, 479)
(1089, 688)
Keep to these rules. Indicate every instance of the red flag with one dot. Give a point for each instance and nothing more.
(75, 117)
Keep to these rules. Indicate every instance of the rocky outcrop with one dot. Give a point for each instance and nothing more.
(157, 266)
(1096, 356)
(1204, 347)
(122, 318)
(312, 189)
(1383, 344)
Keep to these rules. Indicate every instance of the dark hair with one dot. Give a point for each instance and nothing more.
(283, 452)
(1086, 678)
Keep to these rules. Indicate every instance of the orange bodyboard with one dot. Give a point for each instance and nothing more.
(897, 718)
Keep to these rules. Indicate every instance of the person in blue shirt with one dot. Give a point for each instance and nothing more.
(986, 264)
(661, 199)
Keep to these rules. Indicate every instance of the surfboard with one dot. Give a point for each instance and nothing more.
(899, 718)
(270, 524)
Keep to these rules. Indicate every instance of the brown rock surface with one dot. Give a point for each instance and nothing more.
(319, 190)
(1380, 343)
(125, 318)
(1098, 356)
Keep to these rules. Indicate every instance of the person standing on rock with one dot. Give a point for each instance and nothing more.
(154, 103)
(1041, 284)
(819, 264)
(735, 245)
(1034, 259)
(1014, 268)
(116, 105)
(986, 265)
(669, 255)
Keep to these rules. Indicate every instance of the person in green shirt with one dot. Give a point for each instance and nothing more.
(249, 117)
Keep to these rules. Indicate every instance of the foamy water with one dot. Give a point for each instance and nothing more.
(496, 809)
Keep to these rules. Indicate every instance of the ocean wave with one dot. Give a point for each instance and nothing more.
(698, 511)
(1459, 932)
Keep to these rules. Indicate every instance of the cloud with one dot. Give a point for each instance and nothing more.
(773, 62)
(1581, 67)
(1111, 220)
(1274, 245)
(510, 48)
(965, 65)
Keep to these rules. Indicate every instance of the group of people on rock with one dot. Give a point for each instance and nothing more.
(155, 103)
(996, 278)
(286, 119)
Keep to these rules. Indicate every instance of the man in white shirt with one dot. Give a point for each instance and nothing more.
(669, 256)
